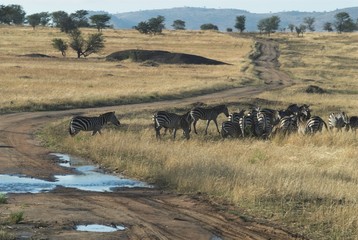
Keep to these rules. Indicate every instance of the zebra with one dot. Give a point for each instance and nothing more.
(229, 128)
(274, 115)
(209, 114)
(261, 122)
(312, 125)
(167, 120)
(94, 124)
(235, 116)
(287, 125)
(352, 123)
(338, 120)
(246, 125)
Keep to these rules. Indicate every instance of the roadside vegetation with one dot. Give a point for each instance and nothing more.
(306, 184)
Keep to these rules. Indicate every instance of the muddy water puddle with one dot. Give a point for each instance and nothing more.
(99, 228)
(87, 178)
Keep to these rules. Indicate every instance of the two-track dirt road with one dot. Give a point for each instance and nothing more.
(146, 213)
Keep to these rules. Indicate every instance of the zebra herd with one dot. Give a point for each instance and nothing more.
(256, 122)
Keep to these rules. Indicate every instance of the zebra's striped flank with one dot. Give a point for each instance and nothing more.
(338, 120)
(167, 120)
(94, 124)
(229, 128)
(312, 125)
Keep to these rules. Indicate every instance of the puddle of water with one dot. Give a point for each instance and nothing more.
(99, 228)
(89, 178)
(215, 238)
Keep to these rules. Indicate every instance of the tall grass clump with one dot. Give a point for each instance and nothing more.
(16, 217)
(4, 235)
(3, 198)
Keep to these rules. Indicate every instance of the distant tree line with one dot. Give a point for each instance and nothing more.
(15, 15)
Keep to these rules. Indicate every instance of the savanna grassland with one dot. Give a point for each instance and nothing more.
(29, 83)
(303, 183)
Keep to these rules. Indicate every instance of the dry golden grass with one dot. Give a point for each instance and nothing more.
(307, 184)
(37, 83)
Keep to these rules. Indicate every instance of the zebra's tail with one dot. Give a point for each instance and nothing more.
(325, 125)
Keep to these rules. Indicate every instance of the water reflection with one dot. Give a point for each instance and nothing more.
(99, 228)
(89, 178)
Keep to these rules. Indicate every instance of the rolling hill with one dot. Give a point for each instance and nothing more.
(223, 18)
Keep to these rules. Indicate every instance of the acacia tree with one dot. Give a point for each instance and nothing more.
(80, 18)
(45, 18)
(34, 20)
(240, 23)
(100, 21)
(12, 14)
(327, 26)
(269, 25)
(309, 21)
(209, 26)
(291, 27)
(344, 22)
(60, 45)
(83, 47)
(93, 44)
(63, 21)
(178, 24)
(152, 26)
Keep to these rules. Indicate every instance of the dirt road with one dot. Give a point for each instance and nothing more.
(146, 213)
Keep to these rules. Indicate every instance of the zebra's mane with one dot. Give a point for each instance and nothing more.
(107, 114)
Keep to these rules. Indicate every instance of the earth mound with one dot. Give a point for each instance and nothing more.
(36, 55)
(161, 57)
(314, 89)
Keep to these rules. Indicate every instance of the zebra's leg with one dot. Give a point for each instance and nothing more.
(207, 125)
(216, 123)
(157, 132)
(165, 131)
(174, 133)
(194, 125)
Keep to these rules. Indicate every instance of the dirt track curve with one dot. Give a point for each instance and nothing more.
(147, 213)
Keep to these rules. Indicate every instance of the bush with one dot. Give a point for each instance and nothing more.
(3, 198)
(16, 217)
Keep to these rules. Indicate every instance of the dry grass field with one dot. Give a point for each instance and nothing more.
(303, 183)
(49, 83)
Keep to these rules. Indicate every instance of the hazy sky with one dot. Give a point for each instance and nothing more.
(119, 6)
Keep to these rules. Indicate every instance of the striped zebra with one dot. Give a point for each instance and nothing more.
(261, 122)
(310, 126)
(209, 114)
(338, 120)
(171, 121)
(262, 125)
(229, 128)
(94, 124)
(274, 115)
(352, 123)
(287, 125)
(236, 116)
(246, 125)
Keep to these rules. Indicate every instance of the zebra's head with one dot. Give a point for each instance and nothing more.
(185, 125)
(111, 117)
(224, 109)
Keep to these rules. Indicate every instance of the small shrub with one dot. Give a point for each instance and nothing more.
(16, 217)
(6, 236)
(3, 198)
